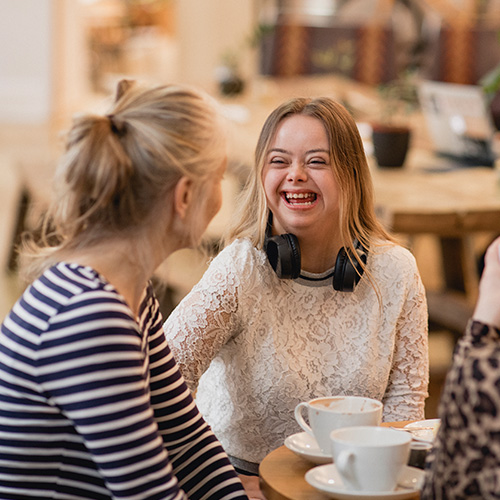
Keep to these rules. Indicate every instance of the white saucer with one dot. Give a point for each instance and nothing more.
(326, 479)
(306, 447)
(423, 430)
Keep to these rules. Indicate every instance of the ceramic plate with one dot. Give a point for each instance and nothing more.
(326, 479)
(305, 446)
(424, 430)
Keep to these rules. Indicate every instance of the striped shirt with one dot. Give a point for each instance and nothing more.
(92, 403)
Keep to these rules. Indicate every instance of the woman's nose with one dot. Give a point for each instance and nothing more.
(297, 172)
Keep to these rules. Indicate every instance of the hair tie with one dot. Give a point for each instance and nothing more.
(118, 131)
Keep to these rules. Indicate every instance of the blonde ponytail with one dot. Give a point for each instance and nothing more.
(94, 171)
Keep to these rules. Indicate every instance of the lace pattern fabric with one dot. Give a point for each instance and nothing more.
(254, 346)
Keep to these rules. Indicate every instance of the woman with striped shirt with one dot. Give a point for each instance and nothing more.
(92, 403)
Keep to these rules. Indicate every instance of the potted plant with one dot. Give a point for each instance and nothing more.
(391, 133)
(228, 73)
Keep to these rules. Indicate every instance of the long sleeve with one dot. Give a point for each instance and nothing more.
(409, 377)
(200, 464)
(465, 459)
(204, 321)
(102, 390)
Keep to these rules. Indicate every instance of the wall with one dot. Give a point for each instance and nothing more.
(25, 60)
(42, 59)
(206, 29)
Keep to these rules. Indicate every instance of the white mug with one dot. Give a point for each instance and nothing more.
(370, 458)
(328, 413)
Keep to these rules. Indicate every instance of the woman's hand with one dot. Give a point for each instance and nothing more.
(488, 304)
(252, 487)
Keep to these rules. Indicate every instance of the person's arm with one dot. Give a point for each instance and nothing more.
(133, 411)
(464, 448)
(101, 385)
(204, 320)
(409, 378)
(199, 462)
(487, 308)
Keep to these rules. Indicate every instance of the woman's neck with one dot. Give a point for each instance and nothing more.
(318, 256)
(120, 265)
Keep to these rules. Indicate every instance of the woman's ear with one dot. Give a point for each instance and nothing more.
(183, 196)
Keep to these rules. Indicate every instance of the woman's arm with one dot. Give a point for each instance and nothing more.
(409, 378)
(129, 404)
(488, 304)
(204, 321)
(199, 463)
(465, 448)
(100, 384)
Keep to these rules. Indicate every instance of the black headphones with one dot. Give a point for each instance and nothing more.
(283, 252)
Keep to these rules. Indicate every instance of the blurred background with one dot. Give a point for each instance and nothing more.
(59, 57)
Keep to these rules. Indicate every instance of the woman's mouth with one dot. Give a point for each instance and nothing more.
(299, 199)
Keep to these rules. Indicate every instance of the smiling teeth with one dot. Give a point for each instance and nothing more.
(299, 195)
(305, 198)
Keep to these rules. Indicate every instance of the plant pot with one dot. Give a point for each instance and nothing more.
(233, 85)
(390, 145)
(230, 83)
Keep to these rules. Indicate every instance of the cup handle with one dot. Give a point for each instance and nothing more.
(300, 418)
(343, 463)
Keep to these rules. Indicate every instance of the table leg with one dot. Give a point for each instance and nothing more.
(459, 265)
(452, 307)
(452, 259)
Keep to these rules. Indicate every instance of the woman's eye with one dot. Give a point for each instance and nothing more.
(317, 161)
(277, 161)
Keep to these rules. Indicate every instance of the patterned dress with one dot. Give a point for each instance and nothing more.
(465, 460)
(92, 403)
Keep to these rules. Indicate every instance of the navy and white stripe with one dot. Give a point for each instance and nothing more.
(92, 403)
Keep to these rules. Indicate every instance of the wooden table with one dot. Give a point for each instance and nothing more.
(282, 475)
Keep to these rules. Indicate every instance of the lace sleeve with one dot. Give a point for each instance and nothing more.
(204, 320)
(409, 378)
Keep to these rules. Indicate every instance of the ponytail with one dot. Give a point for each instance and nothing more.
(95, 172)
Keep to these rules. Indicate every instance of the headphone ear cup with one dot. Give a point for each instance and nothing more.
(346, 275)
(283, 252)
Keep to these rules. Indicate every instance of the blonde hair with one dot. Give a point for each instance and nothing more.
(118, 167)
(349, 164)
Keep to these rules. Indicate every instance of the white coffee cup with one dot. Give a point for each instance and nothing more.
(370, 458)
(329, 413)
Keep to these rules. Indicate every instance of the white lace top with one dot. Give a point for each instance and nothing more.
(255, 345)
